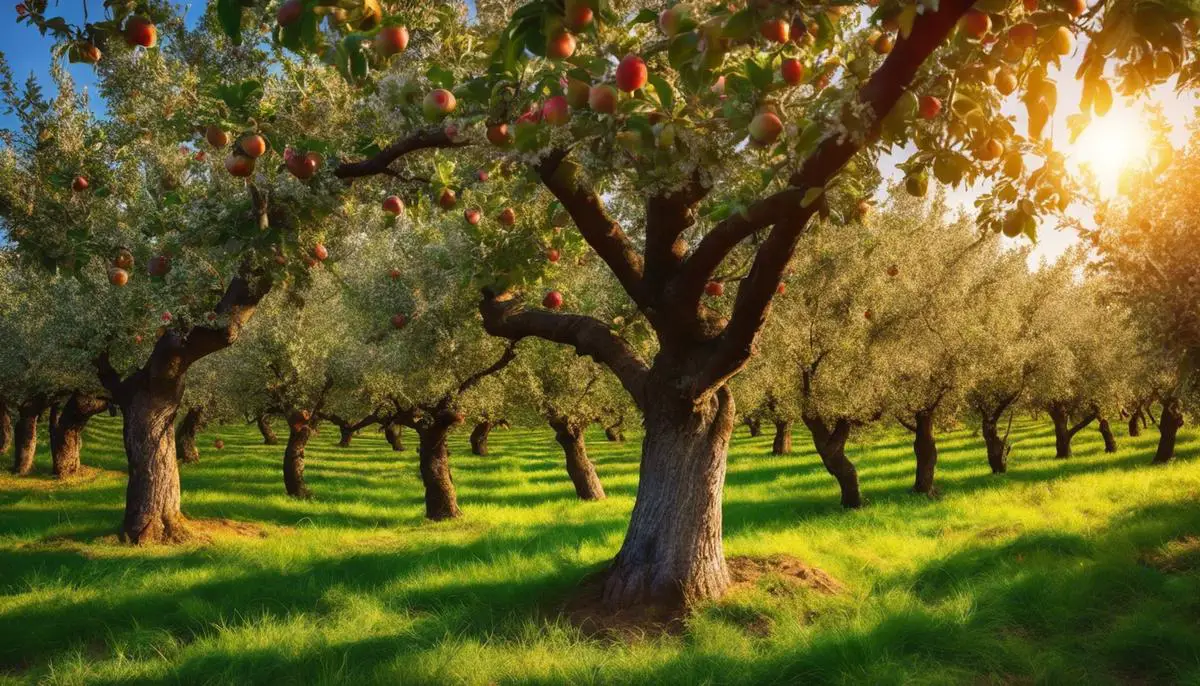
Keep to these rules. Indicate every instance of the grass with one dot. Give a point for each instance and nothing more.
(1079, 571)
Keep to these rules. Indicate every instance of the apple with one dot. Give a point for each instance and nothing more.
(792, 71)
(140, 31)
(497, 135)
(631, 74)
(670, 20)
(166, 317)
(556, 111)
(123, 260)
(254, 145)
(991, 149)
(438, 103)
(219, 444)
(508, 216)
(577, 93)
(868, 315)
(553, 300)
(603, 99)
(89, 53)
(775, 30)
(138, 339)
(320, 252)
(472, 216)
(158, 266)
(1006, 81)
(560, 46)
(482, 175)
(1074, 7)
(578, 15)
(1023, 35)
(200, 156)
(239, 165)
(864, 208)
(553, 255)
(1063, 42)
(289, 12)
(930, 107)
(1031, 5)
(781, 288)
(394, 274)
(765, 128)
(393, 205)
(79, 184)
(399, 321)
(975, 24)
(216, 137)
(118, 276)
(714, 288)
(446, 199)
(893, 270)
(304, 166)
(884, 44)
(280, 260)
(391, 40)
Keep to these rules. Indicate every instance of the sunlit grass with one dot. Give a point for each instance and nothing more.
(1079, 571)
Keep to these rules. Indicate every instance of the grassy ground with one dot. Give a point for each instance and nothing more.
(1083, 571)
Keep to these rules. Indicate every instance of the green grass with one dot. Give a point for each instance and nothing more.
(1080, 571)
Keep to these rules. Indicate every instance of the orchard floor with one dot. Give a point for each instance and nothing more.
(1061, 572)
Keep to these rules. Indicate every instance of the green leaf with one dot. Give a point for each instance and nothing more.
(740, 26)
(666, 94)
(759, 75)
(683, 49)
(646, 16)
(229, 13)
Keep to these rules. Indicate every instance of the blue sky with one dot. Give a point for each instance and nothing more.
(28, 51)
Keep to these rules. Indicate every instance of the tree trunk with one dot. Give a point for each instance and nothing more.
(264, 428)
(997, 447)
(185, 436)
(581, 470)
(394, 433)
(673, 555)
(347, 434)
(925, 448)
(25, 435)
(782, 444)
(614, 434)
(6, 427)
(1062, 432)
(1136, 419)
(831, 446)
(440, 499)
(152, 496)
(1110, 441)
(293, 459)
(479, 438)
(1169, 423)
(66, 432)
(755, 426)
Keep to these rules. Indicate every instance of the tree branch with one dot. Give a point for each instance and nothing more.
(667, 217)
(379, 163)
(510, 353)
(237, 305)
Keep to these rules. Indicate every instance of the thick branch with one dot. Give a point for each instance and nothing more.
(510, 353)
(237, 305)
(667, 217)
(379, 164)
(502, 316)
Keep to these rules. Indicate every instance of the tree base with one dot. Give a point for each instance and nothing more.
(162, 530)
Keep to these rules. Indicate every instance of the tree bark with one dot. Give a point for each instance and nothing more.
(441, 502)
(1063, 431)
(394, 433)
(673, 555)
(1136, 419)
(152, 511)
(66, 431)
(6, 427)
(997, 447)
(581, 470)
(614, 433)
(754, 425)
(1110, 441)
(479, 437)
(1169, 423)
(293, 459)
(831, 447)
(925, 448)
(25, 434)
(347, 435)
(264, 427)
(782, 445)
(185, 436)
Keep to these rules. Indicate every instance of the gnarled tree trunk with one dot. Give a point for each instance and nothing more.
(1064, 432)
(346, 434)
(1169, 423)
(479, 437)
(185, 436)
(440, 499)
(754, 425)
(831, 446)
(152, 511)
(263, 422)
(1136, 420)
(6, 427)
(299, 432)
(25, 434)
(782, 445)
(66, 431)
(615, 433)
(1110, 441)
(581, 470)
(925, 448)
(394, 433)
(997, 447)
(673, 554)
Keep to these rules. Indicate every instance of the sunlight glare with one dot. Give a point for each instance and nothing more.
(1111, 145)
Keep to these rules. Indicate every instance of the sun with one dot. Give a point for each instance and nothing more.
(1111, 145)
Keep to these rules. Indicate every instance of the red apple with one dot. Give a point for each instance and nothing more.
(578, 15)
(123, 260)
(438, 103)
(393, 205)
(289, 12)
(399, 321)
(930, 107)
(200, 156)
(1031, 5)
(714, 288)
(391, 40)
(393, 274)
(472, 216)
(893, 270)
(239, 165)
(556, 111)
(1023, 35)
(253, 145)
(603, 99)
(560, 46)
(553, 300)
(216, 137)
(765, 128)
(577, 93)
(631, 74)
(497, 135)
(670, 20)
(140, 31)
(1074, 7)
(320, 252)
(89, 53)
(118, 276)
(304, 166)
(775, 30)
(158, 266)
(975, 24)
(166, 317)
(781, 288)
(553, 255)
(868, 315)
(482, 175)
(447, 200)
(792, 70)
(79, 184)
(219, 444)
(508, 216)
